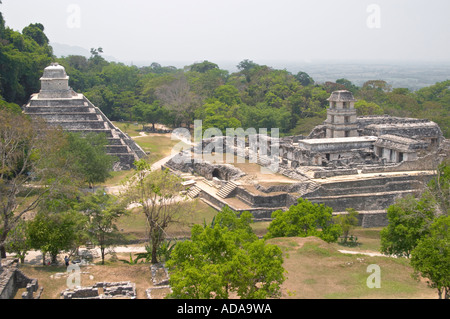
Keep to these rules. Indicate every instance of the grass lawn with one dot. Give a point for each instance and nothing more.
(316, 270)
(159, 145)
(117, 178)
(368, 239)
(130, 128)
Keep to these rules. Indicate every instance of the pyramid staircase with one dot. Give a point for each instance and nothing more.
(194, 191)
(308, 187)
(227, 189)
(59, 106)
(79, 115)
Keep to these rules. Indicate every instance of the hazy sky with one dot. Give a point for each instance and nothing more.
(231, 30)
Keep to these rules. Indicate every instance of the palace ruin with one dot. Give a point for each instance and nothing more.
(365, 163)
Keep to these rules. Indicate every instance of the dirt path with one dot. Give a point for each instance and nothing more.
(34, 257)
(367, 253)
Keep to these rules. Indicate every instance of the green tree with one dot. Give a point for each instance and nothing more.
(32, 168)
(96, 61)
(36, 32)
(52, 233)
(348, 85)
(22, 60)
(102, 210)
(228, 95)
(264, 116)
(431, 257)
(18, 241)
(105, 99)
(91, 162)
(303, 220)
(223, 258)
(304, 78)
(216, 114)
(438, 189)
(12, 107)
(158, 193)
(409, 220)
(375, 91)
(347, 221)
(2, 25)
(203, 67)
(246, 65)
(150, 113)
(368, 108)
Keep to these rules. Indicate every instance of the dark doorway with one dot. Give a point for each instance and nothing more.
(216, 173)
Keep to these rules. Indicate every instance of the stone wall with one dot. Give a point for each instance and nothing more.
(335, 172)
(372, 194)
(360, 202)
(205, 169)
(160, 274)
(259, 213)
(408, 127)
(123, 289)
(12, 279)
(428, 162)
(370, 219)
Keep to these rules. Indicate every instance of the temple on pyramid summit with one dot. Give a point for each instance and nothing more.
(59, 105)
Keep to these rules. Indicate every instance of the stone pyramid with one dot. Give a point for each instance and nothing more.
(59, 105)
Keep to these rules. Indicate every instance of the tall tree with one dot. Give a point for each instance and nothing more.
(178, 98)
(438, 189)
(22, 60)
(18, 241)
(203, 67)
(36, 32)
(91, 162)
(31, 168)
(347, 221)
(51, 233)
(431, 257)
(303, 220)
(368, 108)
(348, 85)
(409, 220)
(223, 258)
(102, 210)
(159, 194)
(304, 78)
